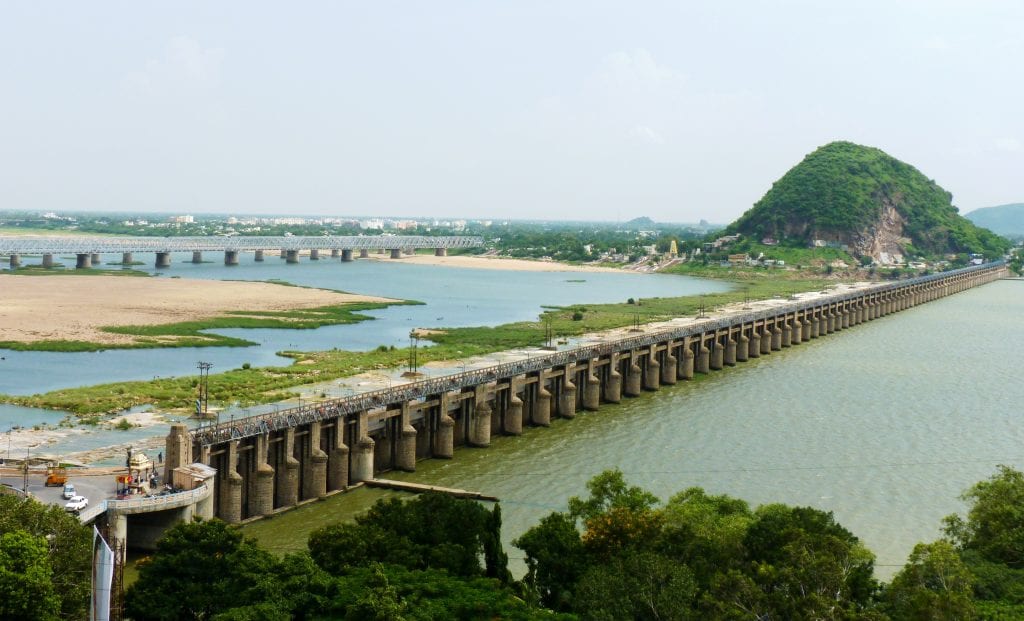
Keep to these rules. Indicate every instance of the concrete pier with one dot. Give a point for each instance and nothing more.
(230, 257)
(314, 254)
(364, 254)
(292, 256)
(197, 256)
(440, 252)
(163, 260)
(346, 255)
(83, 260)
(273, 461)
(258, 256)
(97, 259)
(48, 260)
(396, 253)
(127, 258)
(15, 260)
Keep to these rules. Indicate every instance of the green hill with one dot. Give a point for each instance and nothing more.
(862, 199)
(1003, 219)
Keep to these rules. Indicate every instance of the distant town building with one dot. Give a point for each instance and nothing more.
(181, 219)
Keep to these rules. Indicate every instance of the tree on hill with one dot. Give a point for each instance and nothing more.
(859, 196)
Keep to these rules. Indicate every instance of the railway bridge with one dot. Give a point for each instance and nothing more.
(268, 463)
(88, 250)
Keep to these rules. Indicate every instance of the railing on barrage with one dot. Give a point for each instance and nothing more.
(282, 419)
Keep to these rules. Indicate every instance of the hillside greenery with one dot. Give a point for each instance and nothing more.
(840, 189)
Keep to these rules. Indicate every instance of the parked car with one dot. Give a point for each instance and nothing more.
(69, 491)
(76, 504)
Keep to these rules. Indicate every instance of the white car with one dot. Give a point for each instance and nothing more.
(69, 491)
(76, 504)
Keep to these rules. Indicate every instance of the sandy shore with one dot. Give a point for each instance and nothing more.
(501, 263)
(36, 308)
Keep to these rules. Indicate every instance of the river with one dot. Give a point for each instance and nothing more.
(885, 425)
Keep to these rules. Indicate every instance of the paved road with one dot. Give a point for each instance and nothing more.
(95, 488)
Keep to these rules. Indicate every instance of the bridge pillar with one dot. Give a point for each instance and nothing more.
(335, 253)
(406, 454)
(127, 258)
(396, 253)
(815, 326)
(755, 343)
(652, 378)
(231, 487)
(776, 343)
(806, 329)
(284, 253)
(286, 491)
(48, 260)
(787, 335)
(513, 419)
(686, 369)
(742, 348)
(669, 365)
(83, 261)
(845, 323)
(261, 495)
(15, 260)
(730, 352)
(163, 260)
(337, 457)
(364, 254)
(258, 256)
(314, 476)
(591, 390)
(362, 452)
(798, 331)
(567, 396)
(444, 439)
(96, 259)
(703, 358)
(230, 257)
(633, 378)
(541, 414)
(118, 533)
(291, 256)
(480, 419)
(197, 256)
(613, 382)
(346, 255)
(717, 355)
(440, 252)
(314, 254)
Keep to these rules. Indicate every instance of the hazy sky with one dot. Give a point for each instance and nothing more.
(558, 110)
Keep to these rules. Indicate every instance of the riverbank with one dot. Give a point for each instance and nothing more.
(493, 262)
(56, 312)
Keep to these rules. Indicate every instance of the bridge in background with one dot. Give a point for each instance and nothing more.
(88, 249)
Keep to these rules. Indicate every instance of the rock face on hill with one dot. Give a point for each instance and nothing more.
(1003, 219)
(868, 202)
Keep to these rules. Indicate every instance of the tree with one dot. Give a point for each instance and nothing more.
(934, 585)
(995, 521)
(555, 559)
(26, 587)
(69, 549)
(641, 585)
(201, 569)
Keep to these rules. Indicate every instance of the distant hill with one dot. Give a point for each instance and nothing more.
(845, 194)
(641, 223)
(1003, 219)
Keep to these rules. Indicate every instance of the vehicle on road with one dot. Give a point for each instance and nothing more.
(56, 475)
(69, 491)
(76, 504)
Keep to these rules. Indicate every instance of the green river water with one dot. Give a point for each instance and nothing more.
(884, 424)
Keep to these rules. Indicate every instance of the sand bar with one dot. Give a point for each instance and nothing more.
(38, 308)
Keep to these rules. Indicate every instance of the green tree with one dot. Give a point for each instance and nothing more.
(26, 586)
(201, 569)
(934, 585)
(995, 521)
(555, 559)
(69, 549)
(640, 585)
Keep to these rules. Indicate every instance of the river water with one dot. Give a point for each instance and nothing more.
(885, 424)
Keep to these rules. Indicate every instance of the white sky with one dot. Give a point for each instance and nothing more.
(557, 110)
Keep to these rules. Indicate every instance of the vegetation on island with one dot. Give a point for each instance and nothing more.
(247, 386)
(839, 192)
(617, 553)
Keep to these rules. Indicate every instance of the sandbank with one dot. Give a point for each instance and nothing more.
(491, 262)
(40, 308)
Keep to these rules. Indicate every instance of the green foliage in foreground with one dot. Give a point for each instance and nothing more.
(44, 562)
(269, 384)
(196, 333)
(417, 560)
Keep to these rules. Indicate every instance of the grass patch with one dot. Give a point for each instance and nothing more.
(271, 384)
(39, 270)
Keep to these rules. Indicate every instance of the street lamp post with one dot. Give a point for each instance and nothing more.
(203, 402)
